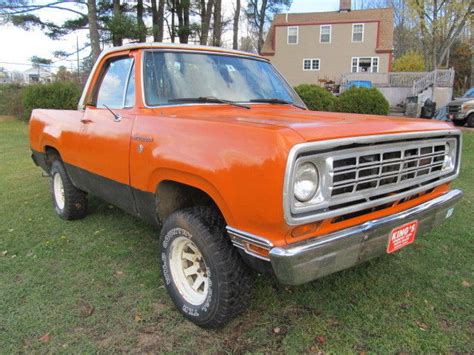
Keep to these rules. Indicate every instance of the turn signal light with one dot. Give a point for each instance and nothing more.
(256, 249)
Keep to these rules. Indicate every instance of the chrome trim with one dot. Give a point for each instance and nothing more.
(309, 213)
(238, 237)
(320, 256)
(132, 66)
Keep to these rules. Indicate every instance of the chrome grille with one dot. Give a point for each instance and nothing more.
(361, 173)
(385, 167)
(454, 108)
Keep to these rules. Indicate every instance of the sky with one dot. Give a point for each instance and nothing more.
(18, 45)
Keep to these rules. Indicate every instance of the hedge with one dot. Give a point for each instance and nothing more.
(59, 95)
(362, 100)
(354, 100)
(11, 100)
(316, 97)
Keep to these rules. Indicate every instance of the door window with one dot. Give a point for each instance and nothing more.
(130, 94)
(112, 88)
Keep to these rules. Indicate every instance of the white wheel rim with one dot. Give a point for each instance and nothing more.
(58, 190)
(189, 271)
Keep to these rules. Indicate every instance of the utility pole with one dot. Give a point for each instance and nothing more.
(77, 56)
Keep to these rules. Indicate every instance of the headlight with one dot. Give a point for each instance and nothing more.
(306, 182)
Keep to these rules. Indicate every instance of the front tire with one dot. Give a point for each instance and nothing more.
(203, 273)
(69, 202)
(470, 120)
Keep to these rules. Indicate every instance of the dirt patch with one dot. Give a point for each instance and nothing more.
(6, 118)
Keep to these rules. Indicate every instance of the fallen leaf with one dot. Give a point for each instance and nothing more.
(404, 306)
(44, 338)
(119, 273)
(138, 317)
(320, 340)
(86, 309)
(443, 324)
(4, 253)
(466, 284)
(421, 325)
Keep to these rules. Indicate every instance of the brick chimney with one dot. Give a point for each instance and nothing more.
(344, 5)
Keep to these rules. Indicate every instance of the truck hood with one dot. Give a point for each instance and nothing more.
(461, 100)
(312, 125)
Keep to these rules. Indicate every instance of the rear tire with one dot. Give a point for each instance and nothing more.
(470, 120)
(203, 273)
(69, 202)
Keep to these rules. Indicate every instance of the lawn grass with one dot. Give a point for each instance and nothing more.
(94, 285)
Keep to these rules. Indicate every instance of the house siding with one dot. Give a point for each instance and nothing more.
(336, 57)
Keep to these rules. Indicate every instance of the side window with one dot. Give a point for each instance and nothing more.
(112, 88)
(130, 93)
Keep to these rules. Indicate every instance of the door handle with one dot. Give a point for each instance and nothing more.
(86, 120)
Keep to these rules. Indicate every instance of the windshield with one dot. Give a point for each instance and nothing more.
(469, 93)
(170, 76)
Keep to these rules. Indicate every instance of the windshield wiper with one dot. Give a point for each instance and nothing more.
(277, 101)
(208, 99)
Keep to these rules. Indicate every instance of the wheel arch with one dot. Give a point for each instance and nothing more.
(176, 190)
(51, 153)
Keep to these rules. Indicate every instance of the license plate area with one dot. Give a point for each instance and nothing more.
(402, 236)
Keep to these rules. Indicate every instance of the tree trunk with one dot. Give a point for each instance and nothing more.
(206, 12)
(235, 40)
(93, 29)
(161, 16)
(261, 23)
(140, 23)
(182, 11)
(434, 40)
(472, 49)
(217, 19)
(117, 40)
(154, 20)
(157, 16)
(173, 12)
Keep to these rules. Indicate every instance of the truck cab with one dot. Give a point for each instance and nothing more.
(461, 110)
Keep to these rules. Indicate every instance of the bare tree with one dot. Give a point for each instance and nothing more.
(217, 24)
(235, 39)
(472, 49)
(140, 23)
(182, 12)
(93, 29)
(206, 14)
(117, 39)
(157, 15)
(259, 13)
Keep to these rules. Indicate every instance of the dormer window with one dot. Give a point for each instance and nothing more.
(325, 34)
(293, 35)
(358, 32)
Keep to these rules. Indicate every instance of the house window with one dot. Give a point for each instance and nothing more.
(325, 34)
(311, 64)
(365, 65)
(293, 35)
(375, 65)
(358, 32)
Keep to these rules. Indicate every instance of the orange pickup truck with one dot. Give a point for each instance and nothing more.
(214, 147)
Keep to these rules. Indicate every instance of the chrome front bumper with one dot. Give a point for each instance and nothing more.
(314, 258)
